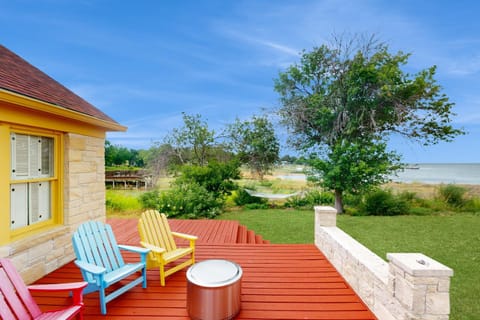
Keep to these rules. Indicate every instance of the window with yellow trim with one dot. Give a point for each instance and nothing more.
(33, 179)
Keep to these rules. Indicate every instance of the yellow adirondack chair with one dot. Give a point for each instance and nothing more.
(156, 235)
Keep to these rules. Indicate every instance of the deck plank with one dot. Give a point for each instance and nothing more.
(280, 281)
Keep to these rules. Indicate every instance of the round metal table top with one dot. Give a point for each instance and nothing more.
(214, 273)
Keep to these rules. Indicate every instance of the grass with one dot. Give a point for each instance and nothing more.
(453, 240)
(122, 202)
(277, 225)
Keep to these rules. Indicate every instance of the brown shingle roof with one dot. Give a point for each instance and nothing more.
(19, 76)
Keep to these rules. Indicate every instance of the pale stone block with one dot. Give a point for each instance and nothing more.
(383, 313)
(33, 273)
(74, 155)
(88, 178)
(62, 241)
(54, 254)
(418, 264)
(51, 266)
(81, 168)
(444, 285)
(438, 303)
(413, 298)
(434, 317)
(421, 280)
(325, 216)
(5, 251)
(366, 288)
(40, 251)
(76, 142)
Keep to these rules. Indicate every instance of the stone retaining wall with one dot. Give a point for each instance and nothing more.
(408, 286)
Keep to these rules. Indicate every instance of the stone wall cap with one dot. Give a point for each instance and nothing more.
(418, 264)
(325, 208)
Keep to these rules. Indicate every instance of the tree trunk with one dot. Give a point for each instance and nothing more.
(339, 201)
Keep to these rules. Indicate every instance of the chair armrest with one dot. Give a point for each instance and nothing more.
(75, 287)
(152, 248)
(134, 249)
(88, 267)
(184, 236)
(70, 286)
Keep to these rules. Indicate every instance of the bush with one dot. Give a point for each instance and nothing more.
(310, 199)
(188, 200)
(242, 198)
(256, 206)
(384, 203)
(216, 178)
(472, 205)
(452, 194)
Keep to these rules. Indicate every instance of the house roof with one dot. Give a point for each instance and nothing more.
(20, 77)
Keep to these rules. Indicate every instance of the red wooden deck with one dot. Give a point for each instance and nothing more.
(279, 281)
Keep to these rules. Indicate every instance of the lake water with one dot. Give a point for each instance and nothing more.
(434, 173)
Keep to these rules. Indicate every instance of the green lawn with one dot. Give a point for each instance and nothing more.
(453, 240)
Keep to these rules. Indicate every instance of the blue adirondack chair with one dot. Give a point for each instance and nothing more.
(101, 262)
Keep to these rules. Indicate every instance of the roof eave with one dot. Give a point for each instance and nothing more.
(38, 105)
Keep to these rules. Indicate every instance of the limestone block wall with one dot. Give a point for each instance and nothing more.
(84, 185)
(83, 199)
(409, 286)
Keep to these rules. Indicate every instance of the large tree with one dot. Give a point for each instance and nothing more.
(348, 98)
(255, 143)
(193, 141)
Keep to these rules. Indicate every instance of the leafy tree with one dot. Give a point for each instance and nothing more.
(117, 155)
(159, 159)
(288, 158)
(217, 178)
(354, 168)
(347, 97)
(255, 143)
(192, 142)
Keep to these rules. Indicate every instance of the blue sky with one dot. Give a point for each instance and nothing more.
(145, 62)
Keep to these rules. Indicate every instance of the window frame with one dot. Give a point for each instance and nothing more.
(55, 181)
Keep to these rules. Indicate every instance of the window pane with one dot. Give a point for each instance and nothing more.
(18, 205)
(19, 156)
(39, 209)
(34, 155)
(47, 156)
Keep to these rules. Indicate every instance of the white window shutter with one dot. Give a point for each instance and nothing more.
(35, 154)
(18, 205)
(39, 201)
(19, 152)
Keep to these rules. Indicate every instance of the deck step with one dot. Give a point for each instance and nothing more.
(246, 236)
(242, 234)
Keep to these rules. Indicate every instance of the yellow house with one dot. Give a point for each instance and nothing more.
(51, 169)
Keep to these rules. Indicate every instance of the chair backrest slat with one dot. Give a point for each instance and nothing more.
(95, 243)
(15, 294)
(154, 229)
(5, 311)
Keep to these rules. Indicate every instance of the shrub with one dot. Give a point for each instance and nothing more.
(352, 200)
(255, 206)
(216, 178)
(421, 211)
(188, 200)
(310, 199)
(242, 198)
(384, 203)
(452, 194)
(149, 199)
